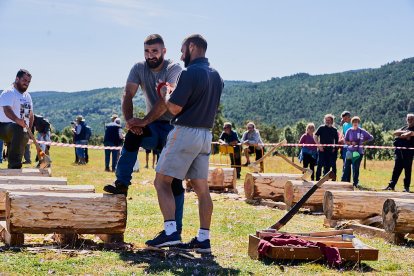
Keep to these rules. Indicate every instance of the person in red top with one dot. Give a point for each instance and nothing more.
(309, 153)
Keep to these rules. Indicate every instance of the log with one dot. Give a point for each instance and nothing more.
(26, 172)
(370, 231)
(357, 204)
(267, 185)
(219, 179)
(65, 213)
(295, 189)
(33, 180)
(4, 188)
(398, 215)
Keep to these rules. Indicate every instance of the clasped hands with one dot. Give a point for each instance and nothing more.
(136, 125)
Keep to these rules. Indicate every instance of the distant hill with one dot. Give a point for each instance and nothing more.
(383, 95)
(96, 106)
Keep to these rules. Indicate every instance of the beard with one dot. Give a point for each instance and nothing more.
(154, 62)
(187, 57)
(21, 88)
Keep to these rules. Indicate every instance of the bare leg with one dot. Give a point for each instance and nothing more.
(205, 204)
(165, 195)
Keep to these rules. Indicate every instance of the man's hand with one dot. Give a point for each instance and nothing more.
(164, 88)
(137, 130)
(321, 149)
(406, 135)
(20, 122)
(135, 122)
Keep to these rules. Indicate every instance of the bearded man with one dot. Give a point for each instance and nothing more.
(16, 114)
(147, 75)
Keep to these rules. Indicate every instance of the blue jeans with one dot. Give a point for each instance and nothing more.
(153, 141)
(156, 140)
(355, 170)
(80, 152)
(108, 153)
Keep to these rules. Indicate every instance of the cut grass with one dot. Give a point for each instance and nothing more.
(233, 221)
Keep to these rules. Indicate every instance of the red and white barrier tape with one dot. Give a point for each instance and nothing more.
(329, 145)
(217, 143)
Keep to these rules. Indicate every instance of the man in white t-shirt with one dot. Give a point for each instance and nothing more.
(16, 113)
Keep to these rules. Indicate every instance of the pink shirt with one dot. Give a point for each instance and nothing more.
(307, 139)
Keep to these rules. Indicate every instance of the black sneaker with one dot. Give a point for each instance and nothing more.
(164, 240)
(197, 246)
(388, 188)
(107, 169)
(117, 188)
(406, 190)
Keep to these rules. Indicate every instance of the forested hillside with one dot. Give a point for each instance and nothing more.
(382, 95)
(96, 106)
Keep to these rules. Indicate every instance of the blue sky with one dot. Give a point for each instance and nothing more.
(77, 45)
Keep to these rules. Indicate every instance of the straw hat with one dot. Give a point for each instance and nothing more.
(80, 118)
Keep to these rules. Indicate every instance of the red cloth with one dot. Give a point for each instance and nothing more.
(331, 253)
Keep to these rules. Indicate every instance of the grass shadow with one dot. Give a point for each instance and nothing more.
(174, 263)
(345, 266)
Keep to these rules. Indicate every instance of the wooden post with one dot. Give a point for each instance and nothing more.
(10, 239)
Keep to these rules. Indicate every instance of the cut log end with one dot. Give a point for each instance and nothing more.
(389, 215)
(249, 186)
(328, 205)
(397, 215)
(288, 195)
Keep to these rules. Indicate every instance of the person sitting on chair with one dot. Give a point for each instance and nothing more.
(230, 138)
(252, 142)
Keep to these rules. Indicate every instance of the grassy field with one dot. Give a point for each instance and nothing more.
(233, 221)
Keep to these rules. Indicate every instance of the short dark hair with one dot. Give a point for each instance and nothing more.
(154, 39)
(198, 40)
(23, 72)
(345, 113)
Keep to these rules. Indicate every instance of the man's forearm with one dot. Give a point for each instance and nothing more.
(157, 111)
(9, 113)
(127, 107)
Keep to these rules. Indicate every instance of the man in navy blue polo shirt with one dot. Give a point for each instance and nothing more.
(194, 104)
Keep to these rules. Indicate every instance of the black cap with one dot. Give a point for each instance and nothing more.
(345, 113)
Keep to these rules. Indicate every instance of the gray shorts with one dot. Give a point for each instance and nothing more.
(186, 154)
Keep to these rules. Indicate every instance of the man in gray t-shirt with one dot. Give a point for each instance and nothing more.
(146, 75)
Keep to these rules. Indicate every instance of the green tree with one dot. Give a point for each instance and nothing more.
(290, 138)
(376, 131)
